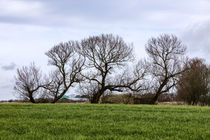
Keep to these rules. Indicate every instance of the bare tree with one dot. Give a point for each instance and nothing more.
(106, 56)
(68, 66)
(28, 82)
(165, 57)
(194, 82)
(132, 79)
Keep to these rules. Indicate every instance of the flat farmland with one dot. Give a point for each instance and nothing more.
(103, 121)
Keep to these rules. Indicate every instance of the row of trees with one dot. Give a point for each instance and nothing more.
(105, 64)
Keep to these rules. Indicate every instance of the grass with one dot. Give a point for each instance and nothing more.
(87, 121)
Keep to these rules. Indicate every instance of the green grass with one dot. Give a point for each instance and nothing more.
(87, 121)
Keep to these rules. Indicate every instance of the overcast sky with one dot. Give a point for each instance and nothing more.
(28, 28)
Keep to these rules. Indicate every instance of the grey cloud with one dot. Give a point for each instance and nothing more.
(197, 39)
(96, 12)
(8, 67)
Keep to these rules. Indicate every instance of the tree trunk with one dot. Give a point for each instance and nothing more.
(95, 99)
(55, 100)
(155, 98)
(31, 98)
(159, 91)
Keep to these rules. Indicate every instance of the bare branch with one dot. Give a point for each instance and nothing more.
(28, 82)
(69, 65)
(166, 53)
(105, 54)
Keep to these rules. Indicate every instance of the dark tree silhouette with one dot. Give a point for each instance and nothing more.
(28, 82)
(68, 66)
(106, 55)
(194, 82)
(165, 57)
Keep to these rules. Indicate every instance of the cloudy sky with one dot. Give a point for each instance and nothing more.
(28, 28)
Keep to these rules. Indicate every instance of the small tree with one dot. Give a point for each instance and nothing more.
(68, 66)
(165, 58)
(28, 82)
(106, 56)
(194, 82)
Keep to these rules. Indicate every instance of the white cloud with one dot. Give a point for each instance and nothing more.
(21, 8)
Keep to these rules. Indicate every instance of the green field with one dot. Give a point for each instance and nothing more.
(101, 121)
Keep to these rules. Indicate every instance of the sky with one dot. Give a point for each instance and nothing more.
(29, 28)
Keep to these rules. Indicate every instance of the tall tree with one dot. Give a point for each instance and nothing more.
(194, 82)
(165, 57)
(68, 66)
(28, 82)
(105, 56)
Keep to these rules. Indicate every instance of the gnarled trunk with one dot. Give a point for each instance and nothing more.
(94, 100)
(55, 100)
(31, 98)
(154, 99)
(96, 97)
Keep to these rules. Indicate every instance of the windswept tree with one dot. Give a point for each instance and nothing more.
(194, 83)
(28, 82)
(133, 79)
(68, 66)
(106, 55)
(166, 60)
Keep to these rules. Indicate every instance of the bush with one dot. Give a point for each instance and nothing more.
(118, 99)
(144, 98)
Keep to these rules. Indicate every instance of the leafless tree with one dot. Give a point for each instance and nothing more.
(28, 82)
(106, 56)
(68, 66)
(194, 83)
(165, 57)
(132, 79)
